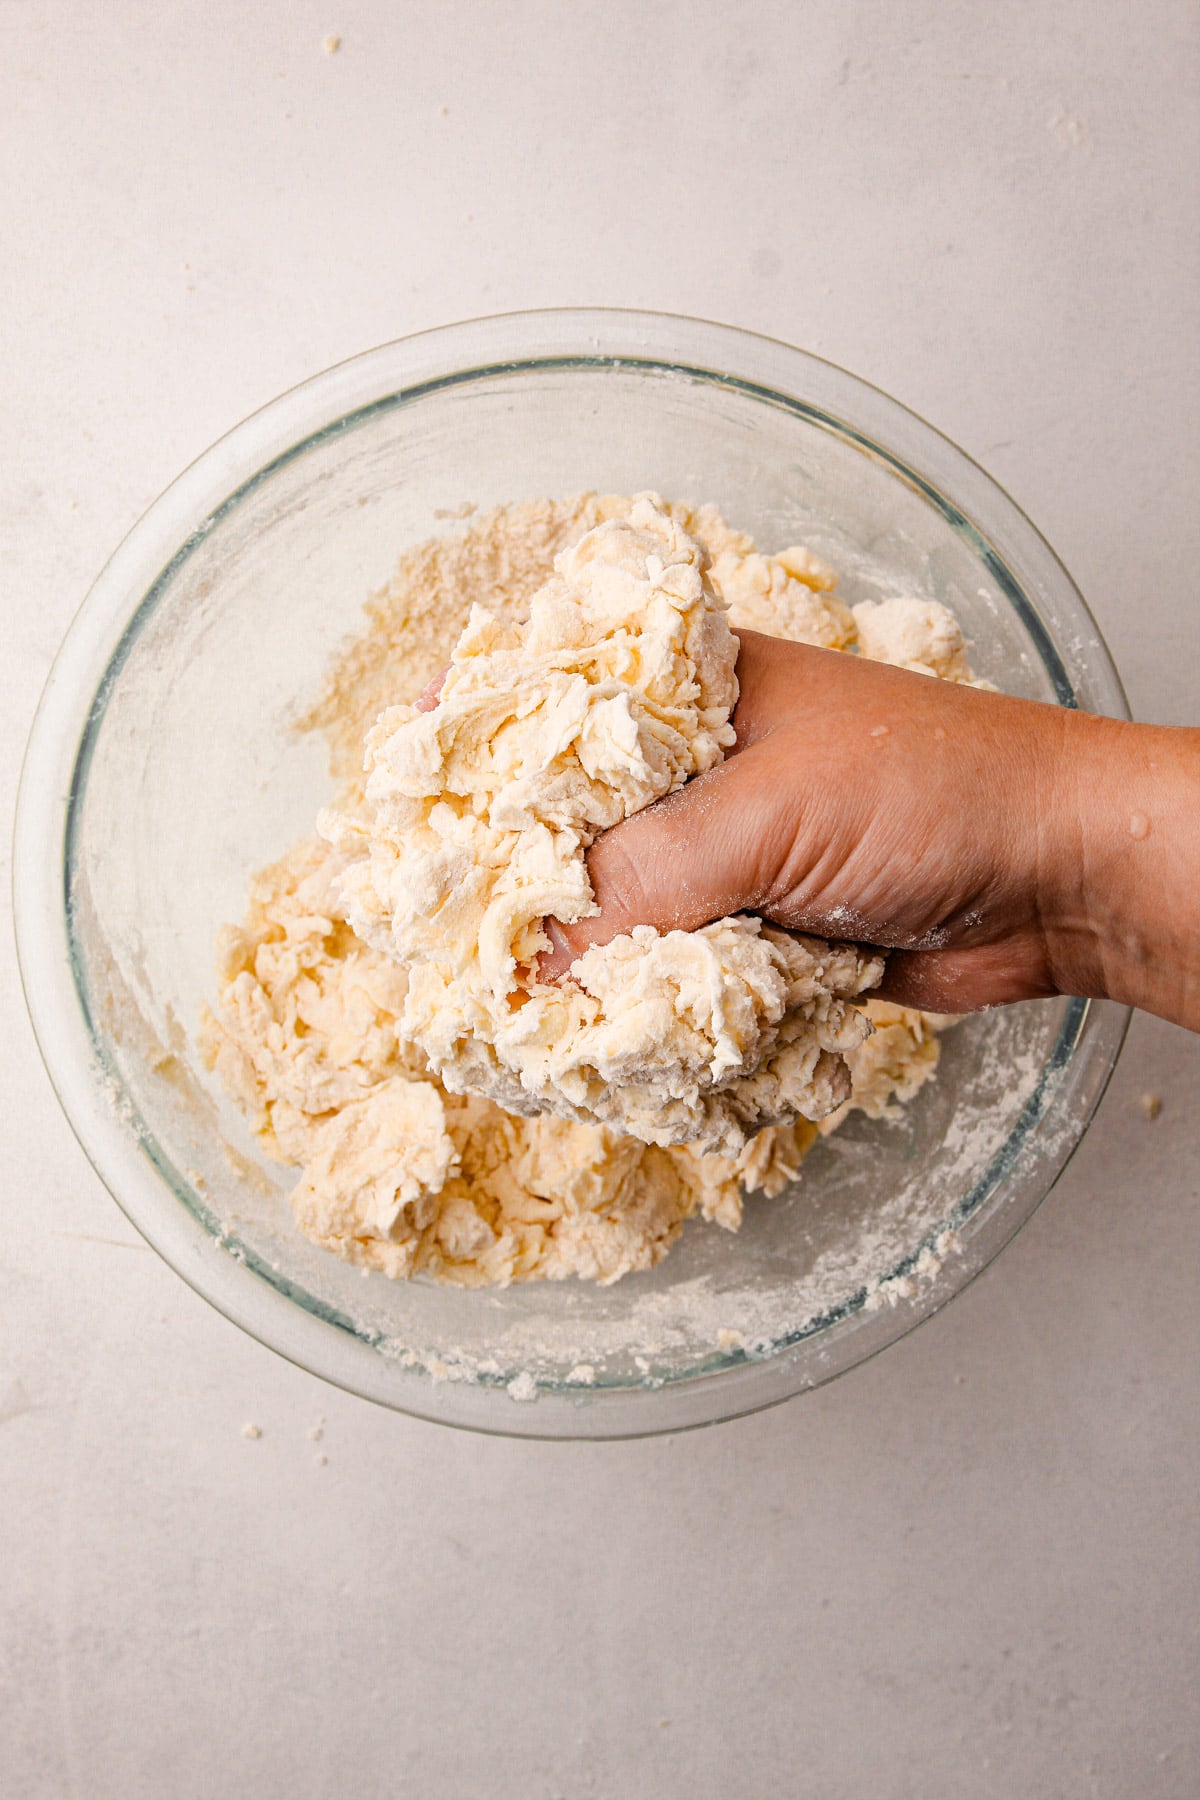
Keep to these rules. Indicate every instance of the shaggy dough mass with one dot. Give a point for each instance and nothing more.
(617, 688)
(333, 1048)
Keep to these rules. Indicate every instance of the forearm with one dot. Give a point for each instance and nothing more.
(1120, 865)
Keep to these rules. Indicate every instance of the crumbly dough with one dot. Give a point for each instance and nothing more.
(789, 595)
(912, 634)
(616, 690)
(311, 1036)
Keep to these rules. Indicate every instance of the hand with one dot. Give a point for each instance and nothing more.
(1002, 848)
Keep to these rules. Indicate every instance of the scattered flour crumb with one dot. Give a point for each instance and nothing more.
(730, 1340)
(1152, 1105)
(926, 1268)
(523, 1387)
(332, 44)
(889, 1293)
(1067, 128)
(583, 1375)
(316, 1431)
(251, 1431)
(320, 1460)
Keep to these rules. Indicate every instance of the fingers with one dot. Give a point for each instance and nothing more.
(428, 698)
(700, 854)
(713, 847)
(965, 980)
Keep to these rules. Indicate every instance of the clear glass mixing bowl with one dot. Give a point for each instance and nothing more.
(161, 772)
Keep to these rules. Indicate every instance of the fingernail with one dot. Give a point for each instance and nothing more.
(557, 960)
(428, 698)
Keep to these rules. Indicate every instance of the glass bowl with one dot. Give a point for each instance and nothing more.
(161, 771)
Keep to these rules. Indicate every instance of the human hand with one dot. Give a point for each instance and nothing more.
(1003, 849)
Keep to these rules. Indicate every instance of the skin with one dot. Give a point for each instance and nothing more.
(1002, 849)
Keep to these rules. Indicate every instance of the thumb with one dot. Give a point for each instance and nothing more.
(699, 854)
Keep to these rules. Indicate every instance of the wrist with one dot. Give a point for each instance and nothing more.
(1118, 890)
(1069, 773)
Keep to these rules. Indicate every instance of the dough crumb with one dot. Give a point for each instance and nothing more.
(523, 1387)
(331, 44)
(251, 1431)
(921, 635)
(583, 1374)
(1139, 826)
(1152, 1105)
(1067, 128)
(316, 1432)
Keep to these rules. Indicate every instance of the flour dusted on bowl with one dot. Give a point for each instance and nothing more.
(377, 1019)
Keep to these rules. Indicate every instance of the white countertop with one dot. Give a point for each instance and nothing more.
(970, 1567)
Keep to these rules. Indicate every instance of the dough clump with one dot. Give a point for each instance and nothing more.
(920, 635)
(476, 819)
(308, 1037)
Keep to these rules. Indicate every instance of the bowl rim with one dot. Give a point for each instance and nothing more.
(86, 667)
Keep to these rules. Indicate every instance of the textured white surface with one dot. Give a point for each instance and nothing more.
(970, 1568)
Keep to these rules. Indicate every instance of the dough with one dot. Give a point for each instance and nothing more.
(789, 595)
(398, 1173)
(477, 815)
(401, 1176)
(920, 635)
